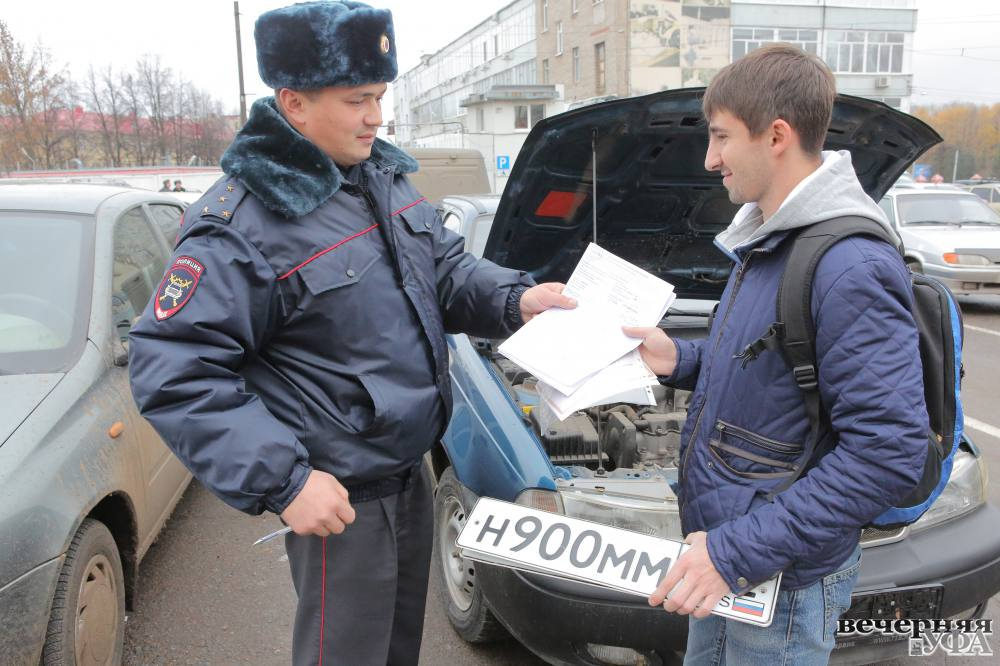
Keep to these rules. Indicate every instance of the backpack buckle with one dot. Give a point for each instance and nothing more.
(805, 377)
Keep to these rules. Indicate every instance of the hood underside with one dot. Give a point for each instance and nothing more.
(657, 206)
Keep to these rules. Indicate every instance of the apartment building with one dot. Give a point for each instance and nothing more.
(533, 58)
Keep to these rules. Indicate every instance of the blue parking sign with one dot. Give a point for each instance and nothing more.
(503, 162)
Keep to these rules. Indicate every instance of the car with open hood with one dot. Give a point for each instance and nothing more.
(85, 482)
(657, 207)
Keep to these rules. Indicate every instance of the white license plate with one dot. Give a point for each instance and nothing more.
(515, 536)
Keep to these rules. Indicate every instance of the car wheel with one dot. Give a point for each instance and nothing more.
(87, 622)
(466, 607)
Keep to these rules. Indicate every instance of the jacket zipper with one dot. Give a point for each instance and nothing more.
(761, 441)
(386, 233)
(740, 273)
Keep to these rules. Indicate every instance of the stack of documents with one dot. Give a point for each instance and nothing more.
(581, 357)
(519, 537)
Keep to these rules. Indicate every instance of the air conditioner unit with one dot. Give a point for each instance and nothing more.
(882, 82)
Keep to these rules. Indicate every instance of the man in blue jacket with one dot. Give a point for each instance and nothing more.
(294, 355)
(768, 114)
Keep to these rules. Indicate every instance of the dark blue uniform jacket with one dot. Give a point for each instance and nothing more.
(301, 324)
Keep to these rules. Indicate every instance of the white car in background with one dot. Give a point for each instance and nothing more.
(949, 234)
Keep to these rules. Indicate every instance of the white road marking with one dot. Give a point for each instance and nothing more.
(981, 330)
(986, 428)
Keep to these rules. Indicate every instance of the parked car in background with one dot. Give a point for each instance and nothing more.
(85, 483)
(988, 192)
(448, 171)
(658, 208)
(949, 234)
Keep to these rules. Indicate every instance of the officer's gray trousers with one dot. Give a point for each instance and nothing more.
(362, 593)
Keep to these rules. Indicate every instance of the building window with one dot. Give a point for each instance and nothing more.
(599, 68)
(746, 40)
(860, 51)
(559, 38)
(537, 113)
(485, 56)
(545, 15)
(496, 45)
(481, 119)
(545, 71)
(520, 117)
(576, 63)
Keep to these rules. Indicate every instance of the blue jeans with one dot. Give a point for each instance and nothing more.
(802, 632)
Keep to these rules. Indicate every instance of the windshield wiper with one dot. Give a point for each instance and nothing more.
(931, 222)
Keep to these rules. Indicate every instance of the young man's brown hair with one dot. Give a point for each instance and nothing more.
(776, 81)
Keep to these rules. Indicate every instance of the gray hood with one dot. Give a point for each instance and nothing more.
(831, 191)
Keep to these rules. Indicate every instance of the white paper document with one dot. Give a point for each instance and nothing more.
(562, 348)
(626, 380)
(519, 537)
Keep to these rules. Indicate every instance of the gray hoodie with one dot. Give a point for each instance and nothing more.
(831, 191)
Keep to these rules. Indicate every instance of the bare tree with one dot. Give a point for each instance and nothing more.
(133, 106)
(154, 82)
(107, 100)
(32, 92)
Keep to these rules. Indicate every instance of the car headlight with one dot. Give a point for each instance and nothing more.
(656, 517)
(966, 259)
(965, 490)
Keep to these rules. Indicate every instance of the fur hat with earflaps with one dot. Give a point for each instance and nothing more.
(323, 44)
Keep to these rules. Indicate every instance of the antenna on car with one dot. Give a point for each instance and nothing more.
(593, 175)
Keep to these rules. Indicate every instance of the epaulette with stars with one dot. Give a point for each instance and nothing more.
(223, 200)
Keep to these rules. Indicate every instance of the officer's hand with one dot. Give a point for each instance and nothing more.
(321, 507)
(702, 586)
(657, 350)
(542, 297)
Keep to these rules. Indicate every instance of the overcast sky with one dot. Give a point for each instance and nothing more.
(956, 51)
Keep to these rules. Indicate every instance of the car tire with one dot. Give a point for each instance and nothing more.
(466, 607)
(87, 621)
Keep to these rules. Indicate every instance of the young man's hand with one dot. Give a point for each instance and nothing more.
(657, 350)
(542, 297)
(702, 587)
(321, 507)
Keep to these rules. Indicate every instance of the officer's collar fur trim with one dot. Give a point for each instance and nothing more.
(286, 171)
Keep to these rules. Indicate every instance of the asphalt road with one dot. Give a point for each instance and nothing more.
(208, 598)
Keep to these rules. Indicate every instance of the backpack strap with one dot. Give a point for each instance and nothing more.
(794, 332)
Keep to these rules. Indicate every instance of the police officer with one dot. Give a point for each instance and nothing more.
(294, 354)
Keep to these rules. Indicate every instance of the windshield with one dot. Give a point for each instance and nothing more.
(945, 209)
(45, 282)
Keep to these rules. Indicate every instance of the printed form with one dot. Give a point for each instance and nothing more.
(563, 348)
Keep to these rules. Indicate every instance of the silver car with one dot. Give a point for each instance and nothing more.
(949, 234)
(85, 483)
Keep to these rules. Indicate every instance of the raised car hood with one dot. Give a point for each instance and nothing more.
(657, 206)
(19, 395)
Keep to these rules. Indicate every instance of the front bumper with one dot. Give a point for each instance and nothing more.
(961, 556)
(557, 619)
(24, 614)
(966, 279)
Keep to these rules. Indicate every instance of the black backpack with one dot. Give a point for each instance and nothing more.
(939, 323)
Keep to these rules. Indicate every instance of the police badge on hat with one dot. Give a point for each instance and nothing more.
(177, 287)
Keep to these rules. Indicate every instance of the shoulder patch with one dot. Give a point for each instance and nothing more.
(177, 287)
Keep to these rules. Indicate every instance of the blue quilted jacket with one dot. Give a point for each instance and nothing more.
(747, 425)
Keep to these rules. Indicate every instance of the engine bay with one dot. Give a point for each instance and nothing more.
(614, 440)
